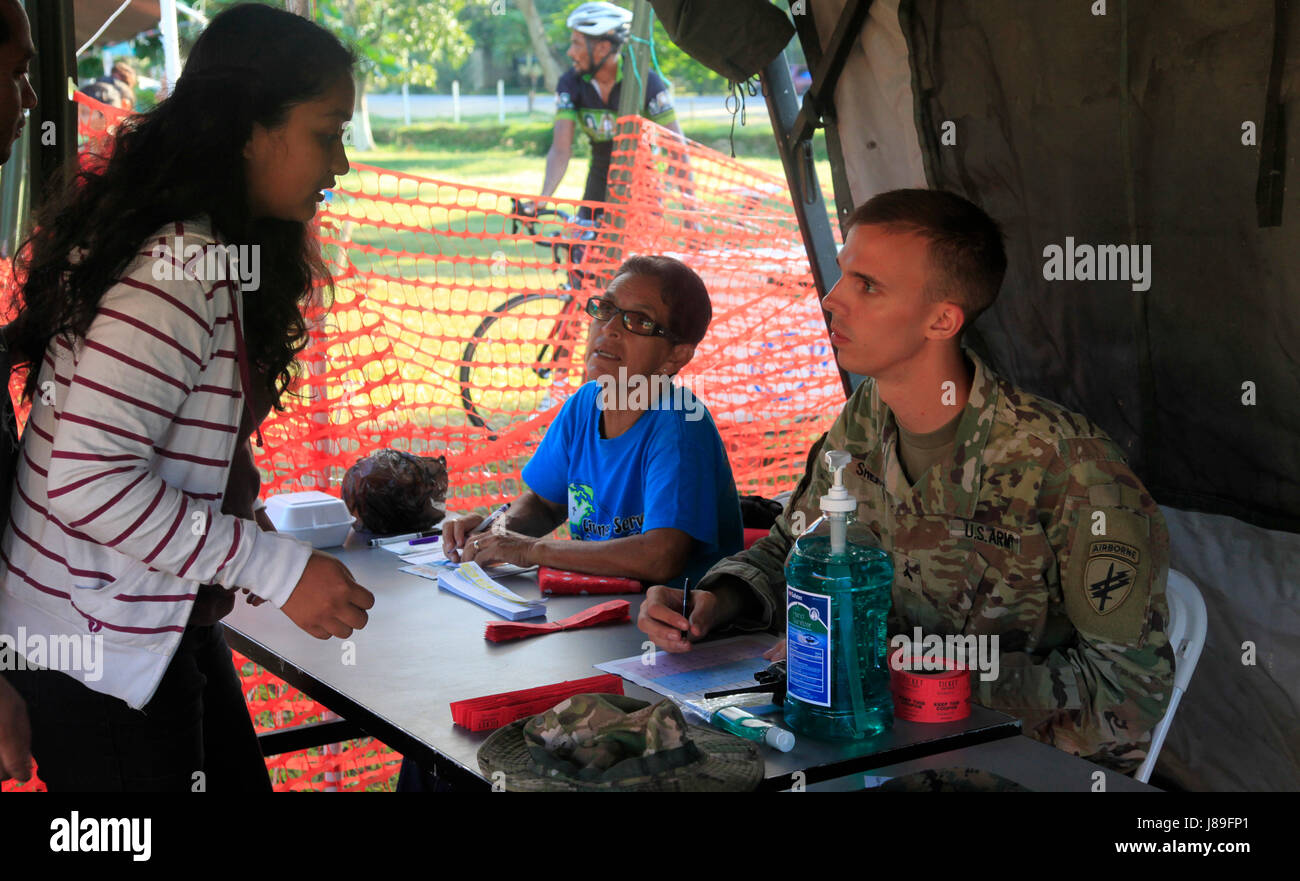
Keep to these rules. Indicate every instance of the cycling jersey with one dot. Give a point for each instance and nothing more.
(577, 98)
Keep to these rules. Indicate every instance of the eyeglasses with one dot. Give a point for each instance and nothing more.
(603, 309)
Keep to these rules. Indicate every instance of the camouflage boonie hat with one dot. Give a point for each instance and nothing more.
(950, 780)
(614, 743)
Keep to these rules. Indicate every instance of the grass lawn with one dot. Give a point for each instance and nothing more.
(513, 157)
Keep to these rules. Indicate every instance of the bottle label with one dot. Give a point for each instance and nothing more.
(808, 646)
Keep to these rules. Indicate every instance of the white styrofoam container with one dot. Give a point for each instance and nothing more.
(315, 517)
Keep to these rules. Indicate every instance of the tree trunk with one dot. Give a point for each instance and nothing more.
(551, 69)
(362, 138)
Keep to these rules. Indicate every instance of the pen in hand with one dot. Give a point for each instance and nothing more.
(686, 596)
(487, 521)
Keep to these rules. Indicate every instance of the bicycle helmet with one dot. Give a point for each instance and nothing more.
(601, 20)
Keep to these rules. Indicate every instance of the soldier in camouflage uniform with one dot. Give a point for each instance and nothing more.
(1029, 527)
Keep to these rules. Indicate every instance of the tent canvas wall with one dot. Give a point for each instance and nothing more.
(1160, 125)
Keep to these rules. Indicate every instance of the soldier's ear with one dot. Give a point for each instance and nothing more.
(946, 321)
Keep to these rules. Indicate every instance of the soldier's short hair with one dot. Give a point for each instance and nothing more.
(967, 259)
(683, 292)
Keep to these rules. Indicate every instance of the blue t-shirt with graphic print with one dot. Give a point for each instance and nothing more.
(668, 470)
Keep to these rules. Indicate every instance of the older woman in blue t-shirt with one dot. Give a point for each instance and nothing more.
(633, 462)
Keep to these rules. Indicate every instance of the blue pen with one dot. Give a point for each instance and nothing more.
(427, 540)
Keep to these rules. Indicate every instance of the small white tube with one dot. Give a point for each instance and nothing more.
(839, 529)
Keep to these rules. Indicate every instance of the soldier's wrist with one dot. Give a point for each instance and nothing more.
(732, 596)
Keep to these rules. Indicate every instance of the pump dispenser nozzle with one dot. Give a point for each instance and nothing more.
(838, 504)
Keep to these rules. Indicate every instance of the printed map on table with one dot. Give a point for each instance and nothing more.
(708, 666)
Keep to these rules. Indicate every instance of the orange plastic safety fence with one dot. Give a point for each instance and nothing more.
(354, 765)
(456, 328)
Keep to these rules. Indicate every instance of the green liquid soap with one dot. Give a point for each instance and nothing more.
(839, 585)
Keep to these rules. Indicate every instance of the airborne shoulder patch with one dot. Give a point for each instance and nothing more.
(1110, 574)
(1107, 578)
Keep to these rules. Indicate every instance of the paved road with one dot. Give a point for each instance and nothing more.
(697, 107)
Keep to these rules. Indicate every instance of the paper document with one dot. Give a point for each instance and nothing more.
(432, 554)
(472, 583)
(708, 666)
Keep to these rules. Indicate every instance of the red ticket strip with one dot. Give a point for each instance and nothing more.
(561, 581)
(931, 697)
(611, 612)
(494, 710)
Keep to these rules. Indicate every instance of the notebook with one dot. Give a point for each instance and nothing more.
(470, 582)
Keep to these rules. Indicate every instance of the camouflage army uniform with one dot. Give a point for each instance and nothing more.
(1038, 533)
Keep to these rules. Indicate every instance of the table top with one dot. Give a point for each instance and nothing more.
(1032, 764)
(424, 648)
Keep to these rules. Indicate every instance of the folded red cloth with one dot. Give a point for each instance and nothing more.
(605, 613)
(560, 581)
(494, 710)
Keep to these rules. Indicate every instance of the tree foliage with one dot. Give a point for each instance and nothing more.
(505, 36)
(400, 40)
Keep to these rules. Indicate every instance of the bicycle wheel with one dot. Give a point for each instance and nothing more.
(524, 357)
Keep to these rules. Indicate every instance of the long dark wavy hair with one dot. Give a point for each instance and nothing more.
(182, 160)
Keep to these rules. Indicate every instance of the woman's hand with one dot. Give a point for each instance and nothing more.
(454, 533)
(500, 547)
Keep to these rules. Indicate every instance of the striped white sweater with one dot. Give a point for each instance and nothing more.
(115, 519)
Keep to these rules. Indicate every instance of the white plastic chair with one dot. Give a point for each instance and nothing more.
(1188, 622)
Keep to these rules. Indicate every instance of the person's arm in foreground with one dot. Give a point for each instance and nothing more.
(118, 409)
(746, 590)
(15, 735)
(659, 554)
(530, 515)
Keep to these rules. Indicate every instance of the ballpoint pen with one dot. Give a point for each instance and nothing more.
(686, 596)
(487, 521)
(391, 539)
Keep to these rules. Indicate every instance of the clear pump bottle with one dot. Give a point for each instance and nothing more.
(839, 584)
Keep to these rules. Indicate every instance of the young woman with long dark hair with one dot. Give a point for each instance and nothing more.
(160, 314)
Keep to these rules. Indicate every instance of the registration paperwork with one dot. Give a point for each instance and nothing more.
(472, 583)
(432, 554)
(718, 665)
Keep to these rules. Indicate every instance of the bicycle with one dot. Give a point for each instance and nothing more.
(517, 322)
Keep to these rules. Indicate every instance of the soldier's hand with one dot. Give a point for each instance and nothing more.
(776, 652)
(661, 617)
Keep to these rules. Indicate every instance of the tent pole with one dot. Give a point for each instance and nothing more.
(52, 128)
(801, 175)
(824, 100)
(632, 97)
(170, 41)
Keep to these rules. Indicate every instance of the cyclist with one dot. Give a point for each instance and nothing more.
(589, 94)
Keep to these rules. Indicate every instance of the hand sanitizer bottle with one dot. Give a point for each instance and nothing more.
(839, 585)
